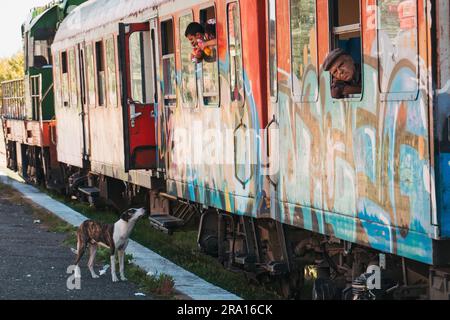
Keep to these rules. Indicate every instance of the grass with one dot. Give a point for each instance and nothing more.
(181, 248)
(159, 286)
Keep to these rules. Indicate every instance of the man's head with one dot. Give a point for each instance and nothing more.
(340, 64)
(193, 31)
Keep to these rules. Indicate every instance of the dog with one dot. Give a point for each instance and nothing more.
(111, 236)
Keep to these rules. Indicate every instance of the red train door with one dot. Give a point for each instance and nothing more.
(139, 98)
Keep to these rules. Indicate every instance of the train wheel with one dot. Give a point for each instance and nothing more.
(291, 285)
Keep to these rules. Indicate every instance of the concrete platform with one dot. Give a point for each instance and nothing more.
(186, 282)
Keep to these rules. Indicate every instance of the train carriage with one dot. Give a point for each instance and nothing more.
(370, 165)
(282, 174)
(28, 104)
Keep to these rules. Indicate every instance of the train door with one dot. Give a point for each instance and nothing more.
(84, 114)
(139, 96)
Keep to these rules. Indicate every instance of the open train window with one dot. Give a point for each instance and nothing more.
(111, 70)
(100, 64)
(398, 46)
(210, 66)
(346, 35)
(235, 54)
(41, 54)
(188, 68)
(168, 61)
(272, 40)
(304, 50)
(65, 78)
(90, 74)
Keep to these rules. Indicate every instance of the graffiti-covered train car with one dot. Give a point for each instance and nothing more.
(370, 167)
(286, 166)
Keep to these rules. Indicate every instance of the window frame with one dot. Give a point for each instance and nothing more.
(97, 79)
(168, 98)
(300, 98)
(273, 98)
(112, 38)
(195, 102)
(65, 94)
(397, 96)
(72, 93)
(240, 103)
(357, 97)
(91, 103)
(57, 80)
(218, 94)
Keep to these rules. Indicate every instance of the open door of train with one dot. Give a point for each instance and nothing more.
(139, 94)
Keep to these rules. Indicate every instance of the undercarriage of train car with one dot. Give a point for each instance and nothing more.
(270, 252)
(298, 263)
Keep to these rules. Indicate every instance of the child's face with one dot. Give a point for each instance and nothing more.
(193, 38)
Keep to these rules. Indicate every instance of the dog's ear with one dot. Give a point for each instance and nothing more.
(127, 215)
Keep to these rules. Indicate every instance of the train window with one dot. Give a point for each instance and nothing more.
(41, 56)
(188, 68)
(235, 54)
(57, 83)
(65, 78)
(100, 63)
(210, 66)
(272, 34)
(111, 69)
(346, 34)
(141, 67)
(304, 50)
(73, 79)
(168, 60)
(90, 74)
(397, 43)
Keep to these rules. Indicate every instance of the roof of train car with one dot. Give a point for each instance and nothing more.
(38, 13)
(96, 13)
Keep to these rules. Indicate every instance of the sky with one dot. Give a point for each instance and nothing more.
(12, 14)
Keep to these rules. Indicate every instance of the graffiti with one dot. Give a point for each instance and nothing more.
(364, 165)
(358, 169)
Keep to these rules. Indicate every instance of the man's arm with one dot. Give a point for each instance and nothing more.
(351, 89)
(337, 89)
(341, 89)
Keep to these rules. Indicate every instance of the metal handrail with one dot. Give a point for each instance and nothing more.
(13, 99)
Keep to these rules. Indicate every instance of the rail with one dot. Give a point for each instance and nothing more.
(13, 99)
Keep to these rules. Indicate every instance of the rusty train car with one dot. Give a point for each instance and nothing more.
(281, 174)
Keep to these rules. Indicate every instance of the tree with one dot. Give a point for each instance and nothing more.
(12, 68)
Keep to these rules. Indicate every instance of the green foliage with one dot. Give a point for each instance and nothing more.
(12, 68)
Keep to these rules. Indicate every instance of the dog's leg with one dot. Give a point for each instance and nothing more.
(92, 252)
(113, 268)
(121, 254)
(81, 246)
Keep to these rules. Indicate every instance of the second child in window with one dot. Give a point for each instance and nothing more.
(202, 39)
(346, 74)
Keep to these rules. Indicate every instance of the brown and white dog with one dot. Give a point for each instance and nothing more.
(111, 236)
